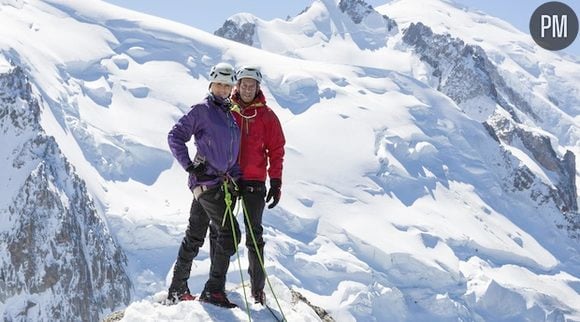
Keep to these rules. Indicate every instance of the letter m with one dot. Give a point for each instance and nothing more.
(560, 26)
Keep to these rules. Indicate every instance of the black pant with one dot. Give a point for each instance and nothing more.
(208, 209)
(253, 194)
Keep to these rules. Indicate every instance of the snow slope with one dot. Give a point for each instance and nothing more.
(393, 207)
(539, 101)
(548, 80)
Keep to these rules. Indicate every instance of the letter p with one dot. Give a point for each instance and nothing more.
(546, 24)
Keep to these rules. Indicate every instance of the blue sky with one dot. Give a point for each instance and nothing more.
(210, 15)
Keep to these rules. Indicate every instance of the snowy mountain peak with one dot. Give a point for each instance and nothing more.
(240, 27)
(243, 18)
(359, 10)
(324, 26)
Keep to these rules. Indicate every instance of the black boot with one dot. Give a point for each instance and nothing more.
(174, 297)
(218, 298)
(259, 297)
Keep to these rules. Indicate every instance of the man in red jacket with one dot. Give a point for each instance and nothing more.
(261, 153)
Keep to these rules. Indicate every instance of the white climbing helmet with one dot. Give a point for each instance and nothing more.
(222, 73)
(252, 72)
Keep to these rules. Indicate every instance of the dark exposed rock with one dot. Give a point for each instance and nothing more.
(464, 71)
(60, 261)
(322, 313)
(14, 86)
(241, 33)
(541, 150)
(114, 317)
(358, 10)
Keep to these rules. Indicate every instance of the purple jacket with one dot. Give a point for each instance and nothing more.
(217, 138)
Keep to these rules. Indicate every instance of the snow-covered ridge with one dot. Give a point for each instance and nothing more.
(351, 24)
(395, 204)
(465, 74)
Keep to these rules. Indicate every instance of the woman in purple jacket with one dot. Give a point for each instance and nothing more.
(217, 140)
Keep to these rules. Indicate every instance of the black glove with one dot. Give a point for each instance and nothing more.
(196, 169)
(274, 192)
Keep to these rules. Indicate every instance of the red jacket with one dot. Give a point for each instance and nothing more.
(262, 139)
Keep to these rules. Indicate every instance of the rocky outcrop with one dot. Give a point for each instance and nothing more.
(358, 10)
(541, 150)
(463, 71)
(60, 262)
(322, 313)
(460, 69)
(371, 29)
(14, 86)
(243, 33)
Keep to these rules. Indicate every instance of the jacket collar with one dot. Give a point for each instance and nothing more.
(223, 104)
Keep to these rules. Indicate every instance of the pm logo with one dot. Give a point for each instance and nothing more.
(554, 25)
